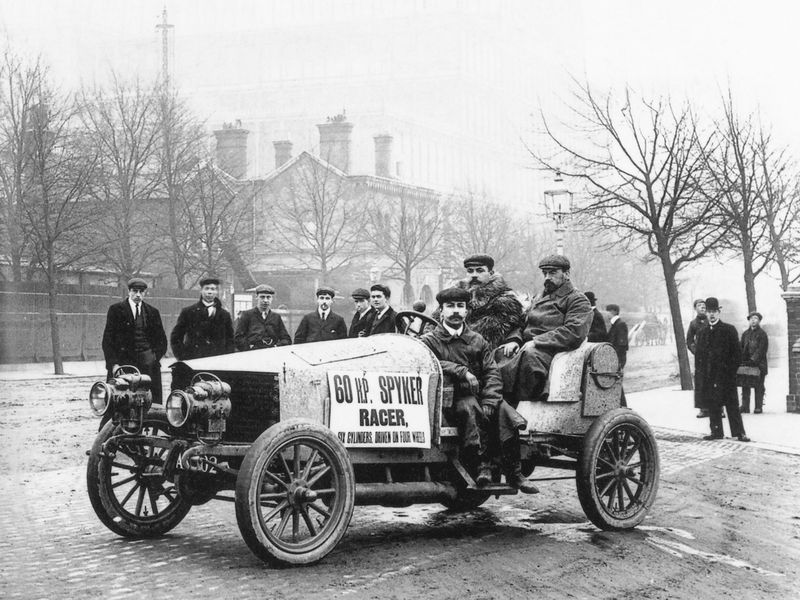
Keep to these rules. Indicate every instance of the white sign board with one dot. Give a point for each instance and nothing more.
(380, 409)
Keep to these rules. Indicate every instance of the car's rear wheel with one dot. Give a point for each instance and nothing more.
(618, 470)
(295, 493)
(126, 483)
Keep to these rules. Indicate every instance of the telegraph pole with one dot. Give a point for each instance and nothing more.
(164, 27)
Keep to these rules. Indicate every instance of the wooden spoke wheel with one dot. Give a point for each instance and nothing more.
(295, 493)
(618, 470)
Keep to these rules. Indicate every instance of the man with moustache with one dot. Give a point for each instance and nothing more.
(323, 324)
(364, 314)
(558, 320)
(383, 322)
(261, 327)
(716, 359)
(205, 328)
(466, 359)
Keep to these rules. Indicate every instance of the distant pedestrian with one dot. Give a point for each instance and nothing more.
(383, 322)
(204, 328)
(364, 314)
(755, 344)
(700, 320)
(618, 338)
(323, 324)
(717, 357)
(260, 326)
(134, 335)
(597, 330)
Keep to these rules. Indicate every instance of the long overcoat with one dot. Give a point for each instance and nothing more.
(383, 324)
(716, 359)
(313, 329)
(755, 345)
(197, 335)
(118, 342)
(254, 331)
(361, 323)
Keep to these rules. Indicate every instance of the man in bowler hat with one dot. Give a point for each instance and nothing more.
(260, 326)
(204, 328)
(323, 324)
(134, 335)
(716, 359)
(364, 314)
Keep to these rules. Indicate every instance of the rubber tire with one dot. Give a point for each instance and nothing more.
(248, 482)
(588, 494)
(105, 503)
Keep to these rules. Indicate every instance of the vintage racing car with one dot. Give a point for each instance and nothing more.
(301, 434)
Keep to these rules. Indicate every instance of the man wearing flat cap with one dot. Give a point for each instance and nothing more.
(260, 326)
(323, 324)
(755, 345)
(383, 321)
(558, 320)
(204, 328)
(716, 360)
(134, 335)
(467, 360)
(364, 314)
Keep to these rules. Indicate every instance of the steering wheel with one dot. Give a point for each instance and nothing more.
(411, 322)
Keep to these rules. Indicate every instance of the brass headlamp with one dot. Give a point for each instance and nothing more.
(126, 397)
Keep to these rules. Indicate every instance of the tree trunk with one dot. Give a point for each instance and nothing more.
(55, 337)
(677, 323)
(749, 279)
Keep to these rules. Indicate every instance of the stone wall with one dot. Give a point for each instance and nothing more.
(792, 297)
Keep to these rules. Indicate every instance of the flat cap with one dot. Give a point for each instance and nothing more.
(613, 308)
(325, 290)
(137, 283)
(384, 289)
(477, 260)
(554, 261)
(360, 294)
(698, 301)
(755, 313)
(712, 304)
(264, 289)
(453, 294)
(209, 279)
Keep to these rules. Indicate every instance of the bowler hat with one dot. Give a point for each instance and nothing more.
(755, 313)
(325, 291)
(264, 289)
(712, 304)
(137, 283)
(479, 260)
(591, 297)
(208, 280)
(555, 261)
(613, 308)
(360, 294)
(384, 289)
(453, 294)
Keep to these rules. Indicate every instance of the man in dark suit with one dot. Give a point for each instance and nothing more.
(134, 335)
(716, 359)
(205, 328)
(323, 324)
(755, 345)
(618, 335)
(597, 330)
(261, 327)
(364, 314)
(383, 322)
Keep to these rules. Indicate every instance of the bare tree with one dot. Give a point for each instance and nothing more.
(478, 225)
(317, 219)
(406, 229)
(124, 124)
(641, 168)
(58, 217)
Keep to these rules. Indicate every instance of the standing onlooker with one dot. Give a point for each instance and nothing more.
(364, 314)
(260, 326)
(755, 344)
(597, 330)
(716, 359)
(700, 320)
(618, 335)
(205, 328)
(383, 322)
(323, 324)
(135, 336)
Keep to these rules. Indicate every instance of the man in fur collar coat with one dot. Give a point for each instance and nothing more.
(205, 328)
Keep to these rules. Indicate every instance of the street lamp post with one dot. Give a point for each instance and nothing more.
(558, 204)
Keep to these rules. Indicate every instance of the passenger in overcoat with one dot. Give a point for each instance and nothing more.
(383, 322)
(204, 328)
(755, 345)
(362, 319)
(716, 359)
(323, 324)
(134, 335)
(260, 326)
(557, 321)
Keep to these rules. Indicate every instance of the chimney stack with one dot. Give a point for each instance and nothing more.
(334, 141)
(383, 155)
(283, 152)
(232, 149)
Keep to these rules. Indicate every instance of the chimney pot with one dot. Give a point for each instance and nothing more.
(383, 154)
(334, 142)
(232, 149)
(283, 152)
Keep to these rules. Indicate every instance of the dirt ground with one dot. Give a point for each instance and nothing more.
(726, 524)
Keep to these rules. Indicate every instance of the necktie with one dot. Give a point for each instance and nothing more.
(264, 316)
(137, 313)
(324, 315)
(211, 310)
